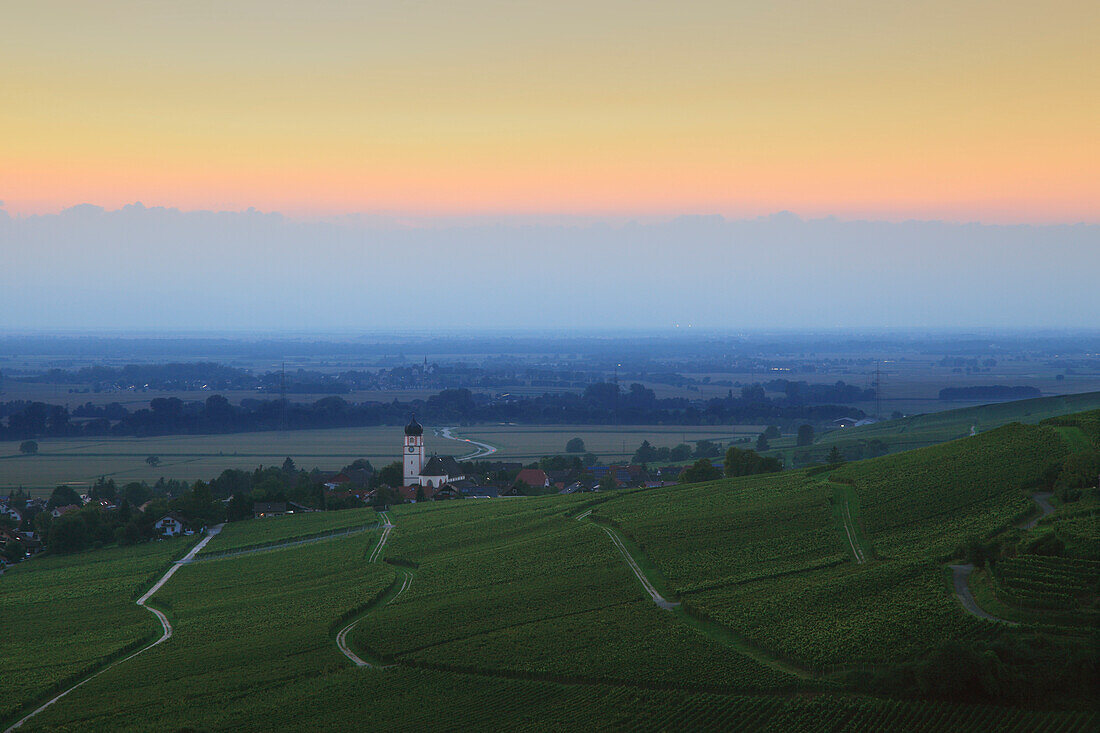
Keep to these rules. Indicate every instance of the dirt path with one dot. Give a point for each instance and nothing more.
(961, 577)
(843, 496)
(482, 449)
(849, 530)
(660, 600)
(387, 527)
(166, 626)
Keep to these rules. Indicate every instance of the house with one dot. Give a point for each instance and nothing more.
(7, 535)
(268, 508)
(844, 422)
(170, 525)
(441, 470)
(62, 510)
(534, 477)
(11, 513)
(471, 490)
(446, 491)
(410, 493)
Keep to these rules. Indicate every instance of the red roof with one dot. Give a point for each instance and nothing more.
(533, 477)
(409, 492)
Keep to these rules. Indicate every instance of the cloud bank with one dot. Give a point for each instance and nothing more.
(156, 268)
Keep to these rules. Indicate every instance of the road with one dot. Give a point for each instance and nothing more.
(1045, 507)
(166, 626)
(962, 590)
(482, 449)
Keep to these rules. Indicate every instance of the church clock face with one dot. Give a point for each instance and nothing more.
(412, 449)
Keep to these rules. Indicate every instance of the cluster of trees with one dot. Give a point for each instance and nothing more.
(601, 403)
(738, 462)
(646, 453)
(802, 393)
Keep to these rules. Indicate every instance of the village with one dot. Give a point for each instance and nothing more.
(69, 521)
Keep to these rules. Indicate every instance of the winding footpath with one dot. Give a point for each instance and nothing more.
(961, 573)
(166, 626)
(375, 556)
(481, 449)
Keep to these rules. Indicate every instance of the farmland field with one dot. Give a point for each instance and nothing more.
(80, 462)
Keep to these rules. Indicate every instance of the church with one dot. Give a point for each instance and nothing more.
(431, 472)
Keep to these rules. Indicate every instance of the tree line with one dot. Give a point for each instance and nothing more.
(598, 404)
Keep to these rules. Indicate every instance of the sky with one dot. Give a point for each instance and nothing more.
(158, 269)
(410, 164)
(954, 111)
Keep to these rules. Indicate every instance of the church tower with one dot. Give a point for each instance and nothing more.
(414, 452)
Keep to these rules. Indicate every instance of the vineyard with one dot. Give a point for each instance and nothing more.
(731, 531)
(270, 530)
(513, 614)
(62, 616)
(922, 503)
(1065, 586)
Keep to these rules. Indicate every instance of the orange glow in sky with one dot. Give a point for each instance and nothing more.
(975, 111)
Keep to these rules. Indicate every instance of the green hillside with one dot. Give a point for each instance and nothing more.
(917, 431)
(806, 600)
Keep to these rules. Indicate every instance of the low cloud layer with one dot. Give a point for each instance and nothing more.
(155, 268)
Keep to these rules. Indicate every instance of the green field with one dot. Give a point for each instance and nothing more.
(545, 613)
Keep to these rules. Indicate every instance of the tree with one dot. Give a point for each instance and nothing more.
(420, 494)
(771, 432)
(707, 449)
(63, 496)
(646, 453)
(288, 465)
(701, 470)
(28, 447)
(805, 435)
(153, 461)
(392, 475)
(835, 457)
(682, 452)
(575, 445)
(745, 462)
(608, 482)
(762, 441)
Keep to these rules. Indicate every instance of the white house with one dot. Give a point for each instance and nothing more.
(169, 525)
(12, 513)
